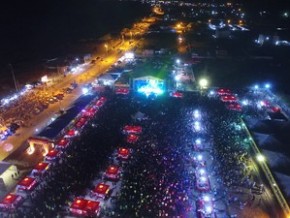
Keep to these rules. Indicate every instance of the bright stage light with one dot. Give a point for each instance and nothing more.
(198, 141)
(151, 87)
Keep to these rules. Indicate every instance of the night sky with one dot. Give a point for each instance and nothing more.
(30, 26)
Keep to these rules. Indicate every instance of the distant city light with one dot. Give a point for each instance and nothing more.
(178, 61)
(256, 87)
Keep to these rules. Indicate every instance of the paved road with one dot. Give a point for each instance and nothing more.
(8, 146)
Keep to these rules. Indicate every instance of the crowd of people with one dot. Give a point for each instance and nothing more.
(159, 179)
(31, 103)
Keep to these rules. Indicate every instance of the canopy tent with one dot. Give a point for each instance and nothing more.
(123, 153)
(40, 168)
(101, 102)
(52, 154)
(131, 138)
(28, 183)
(107, 79)
(122, 90)
(113, 172)
(101, 190)
(84, 207)
(132, 129)
(71, 133)
(11, 201)
(62, 143)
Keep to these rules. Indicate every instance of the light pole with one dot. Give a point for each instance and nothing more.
(261, 158)
(13, 76)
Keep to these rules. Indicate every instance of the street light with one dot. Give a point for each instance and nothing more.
(203, 83)
(267, 85)
(106, 46)
(261, 158)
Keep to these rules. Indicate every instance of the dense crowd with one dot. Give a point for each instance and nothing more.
(33, 102)
(159, 178)
(158, 182)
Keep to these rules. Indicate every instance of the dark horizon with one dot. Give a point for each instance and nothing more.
(39, 28)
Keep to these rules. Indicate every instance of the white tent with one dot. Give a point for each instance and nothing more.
(106, 79)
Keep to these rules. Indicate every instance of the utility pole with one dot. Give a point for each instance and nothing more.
(13, 76)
